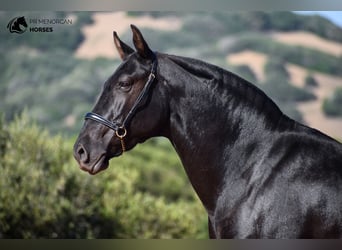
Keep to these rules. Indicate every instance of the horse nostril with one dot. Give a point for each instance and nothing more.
(82, 154)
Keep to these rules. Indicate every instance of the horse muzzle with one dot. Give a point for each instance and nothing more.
(87, 164)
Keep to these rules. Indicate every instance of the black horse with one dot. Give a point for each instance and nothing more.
(258, 173)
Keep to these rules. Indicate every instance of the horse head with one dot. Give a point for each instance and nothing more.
(128, 111)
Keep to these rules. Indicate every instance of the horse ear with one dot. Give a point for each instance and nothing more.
(140, 43)
(123, 49)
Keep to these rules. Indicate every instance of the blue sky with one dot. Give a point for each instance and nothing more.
(334, 16)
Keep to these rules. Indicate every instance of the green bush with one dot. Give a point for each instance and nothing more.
(333, 106)
(282, 91)
(310, 81)
(44, 194)
(38, 83)
(290, 110)
(276, 66)
(245, 72)
(3, 135)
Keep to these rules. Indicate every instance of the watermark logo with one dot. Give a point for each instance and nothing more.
(17, 25)
(37, 25)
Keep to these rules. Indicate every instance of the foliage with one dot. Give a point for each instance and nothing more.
(164, 41)
(309, 58)
(223, 23)
(45, 195)
(38, 73)
(202, 31)
(245, 72)
(288, 21)
(277, 86)
(282, 91)
(276, 66)
(333, 106)
(290, 110)
(42, 82)
(3, 135)
(310, 81)
(285, 94)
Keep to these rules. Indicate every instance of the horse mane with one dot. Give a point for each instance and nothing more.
(223, 83)
(197, 68)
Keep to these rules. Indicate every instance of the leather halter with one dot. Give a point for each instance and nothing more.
(120, 128)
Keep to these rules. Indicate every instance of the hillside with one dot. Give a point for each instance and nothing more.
(310, 40)
(99, 43)
(312, 111)
(74, 61)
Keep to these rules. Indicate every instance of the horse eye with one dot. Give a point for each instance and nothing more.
(125, 86)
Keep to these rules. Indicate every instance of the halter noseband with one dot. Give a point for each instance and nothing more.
(120, 128)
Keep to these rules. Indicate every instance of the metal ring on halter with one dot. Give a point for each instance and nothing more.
(119, 134)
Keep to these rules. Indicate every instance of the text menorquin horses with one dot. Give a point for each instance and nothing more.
(258, 173)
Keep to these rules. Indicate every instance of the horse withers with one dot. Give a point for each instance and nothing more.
(258, 173)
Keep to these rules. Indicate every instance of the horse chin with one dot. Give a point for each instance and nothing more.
(100, 165)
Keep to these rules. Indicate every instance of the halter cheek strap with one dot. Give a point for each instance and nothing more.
(120, 128)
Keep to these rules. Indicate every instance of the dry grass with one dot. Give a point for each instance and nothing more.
(255, 60)
(309, 40)
(99, 41)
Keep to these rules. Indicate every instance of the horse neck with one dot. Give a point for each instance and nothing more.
(211, 110)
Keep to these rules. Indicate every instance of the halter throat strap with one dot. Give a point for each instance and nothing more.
(120, 128)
